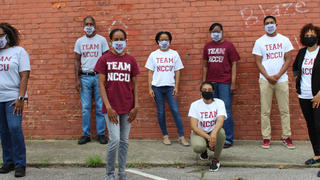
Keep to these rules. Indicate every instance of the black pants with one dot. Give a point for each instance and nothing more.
(312, 116)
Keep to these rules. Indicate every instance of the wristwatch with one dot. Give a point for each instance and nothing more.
(20, 98)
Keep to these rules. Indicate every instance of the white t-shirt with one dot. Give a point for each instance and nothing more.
(272, 50)
(306, 73)
(12, 61)
(91, 50)
(207, 114)
(164, 64)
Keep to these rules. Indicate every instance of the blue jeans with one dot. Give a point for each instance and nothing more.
(12, 139)
(89, 84)
(166, 92)
(118, 142)
(222, 91)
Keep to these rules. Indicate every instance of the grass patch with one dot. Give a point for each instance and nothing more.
(95, 161)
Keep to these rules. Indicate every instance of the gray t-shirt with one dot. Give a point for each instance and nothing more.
(91, 50)
(12, 61)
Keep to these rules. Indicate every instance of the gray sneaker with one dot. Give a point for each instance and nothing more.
(124, 177)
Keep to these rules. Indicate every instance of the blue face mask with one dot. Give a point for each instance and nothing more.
(270, 28)
(3, 42)
(119, 46)
(216, 36)
(164, 44)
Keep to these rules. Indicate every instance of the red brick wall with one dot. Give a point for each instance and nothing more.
(50, 28)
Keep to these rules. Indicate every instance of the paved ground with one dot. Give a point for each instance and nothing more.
(188, 173)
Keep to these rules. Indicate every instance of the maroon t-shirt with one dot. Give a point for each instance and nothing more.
(220, 58)
(119, 71)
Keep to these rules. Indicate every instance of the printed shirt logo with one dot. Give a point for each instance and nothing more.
(307, 66)
(277, 51)
(4, 63)
(123, 71)
(165, 64)
(90, 50)
(216, 55)
(208, 119)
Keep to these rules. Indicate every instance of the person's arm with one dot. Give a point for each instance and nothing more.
(271, 79)
(285, 66)
(134, 111)
(150, 75)
(177, 79)
(214, 132)
(77, 64)
(18, 104)
(204, 70)
(233, 77)
(198, 131)
(112, 114)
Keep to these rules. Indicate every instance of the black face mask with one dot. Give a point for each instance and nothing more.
(310, 41)
(207, 95)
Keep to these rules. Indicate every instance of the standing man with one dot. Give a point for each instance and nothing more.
(273, 57)
(219, 67)
(88, 49)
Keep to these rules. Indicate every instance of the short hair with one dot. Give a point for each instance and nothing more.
(115, 30)
(160, 33)
(206, 82)
(214, 25)
(267, 17)
(307, 28)
(12, 34)
(89, 17)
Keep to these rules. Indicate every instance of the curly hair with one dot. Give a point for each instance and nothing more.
(12, 34)
(306, 28)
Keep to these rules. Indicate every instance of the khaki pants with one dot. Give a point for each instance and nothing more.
(199, 144)
(282, 95)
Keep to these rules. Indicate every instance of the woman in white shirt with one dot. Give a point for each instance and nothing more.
(14, 74)
(307, 69)
(164, 67)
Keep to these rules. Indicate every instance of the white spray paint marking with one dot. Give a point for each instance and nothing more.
(145, 174)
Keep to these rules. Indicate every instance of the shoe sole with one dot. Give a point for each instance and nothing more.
(265, 147)
(202, 159)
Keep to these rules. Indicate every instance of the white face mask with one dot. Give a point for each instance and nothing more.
(3, 42)
(89, 30)
(164, 44)
(216, 36)
(119, 46)
(270, 28)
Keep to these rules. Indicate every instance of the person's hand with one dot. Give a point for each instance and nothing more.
(112, 115)
(316, 101)
(78, 85)
(175, 91)
(151, 93)
(233, 88)
(132, 114)
(272, 79)
(18, 107)
(212, 141)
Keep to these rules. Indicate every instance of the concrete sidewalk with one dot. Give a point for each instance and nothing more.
(153, 152)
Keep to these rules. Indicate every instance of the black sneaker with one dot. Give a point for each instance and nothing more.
(227, 145)
(214, 166)
(204, 155)
(20, 172)
(102, 139)
(6, 168)
(84, 140)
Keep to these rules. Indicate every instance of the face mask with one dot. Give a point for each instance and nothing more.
(3, 42)
(270, 28)
(216, 36)
(310, 41)
(207, 95)
(89, 29)
(119, 46)
(164, 44)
